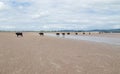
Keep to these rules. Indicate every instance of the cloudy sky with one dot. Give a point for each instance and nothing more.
(59, 14)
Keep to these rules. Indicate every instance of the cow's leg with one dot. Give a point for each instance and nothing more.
(18, 35)
(22, 35)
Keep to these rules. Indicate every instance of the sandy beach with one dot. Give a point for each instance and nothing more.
(35, 54)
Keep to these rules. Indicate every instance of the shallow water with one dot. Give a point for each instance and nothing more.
(107, 40)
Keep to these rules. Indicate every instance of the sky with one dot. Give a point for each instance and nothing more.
(59, 14)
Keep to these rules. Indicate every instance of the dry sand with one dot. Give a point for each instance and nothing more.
(34, 54)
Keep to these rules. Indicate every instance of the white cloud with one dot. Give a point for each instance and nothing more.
(4, 27)
(2, 6)
(39, 14)
(64, 14)
(116, 26)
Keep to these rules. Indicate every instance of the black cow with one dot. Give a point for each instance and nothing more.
(41, 34)
(19, 34)
(68, 33)
(63, 34)
(57, 34)
(76, 33)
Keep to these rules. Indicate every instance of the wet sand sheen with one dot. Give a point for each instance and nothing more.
(34, 54)
(114, 41)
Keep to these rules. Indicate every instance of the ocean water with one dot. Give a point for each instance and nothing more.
(113, 41)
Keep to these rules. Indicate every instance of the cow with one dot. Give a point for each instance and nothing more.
(101, 32)
(57, 34)
(41, 34)
(89, 33)
(63, 34)
(19, 34)
(68, 33)
(76, 33)
(83, 33)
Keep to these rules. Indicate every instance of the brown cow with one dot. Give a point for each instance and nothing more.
(89, 33)
(83, 33)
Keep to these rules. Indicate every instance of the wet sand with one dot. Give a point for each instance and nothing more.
(34, 54)
(101, 39)
(110, 35)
